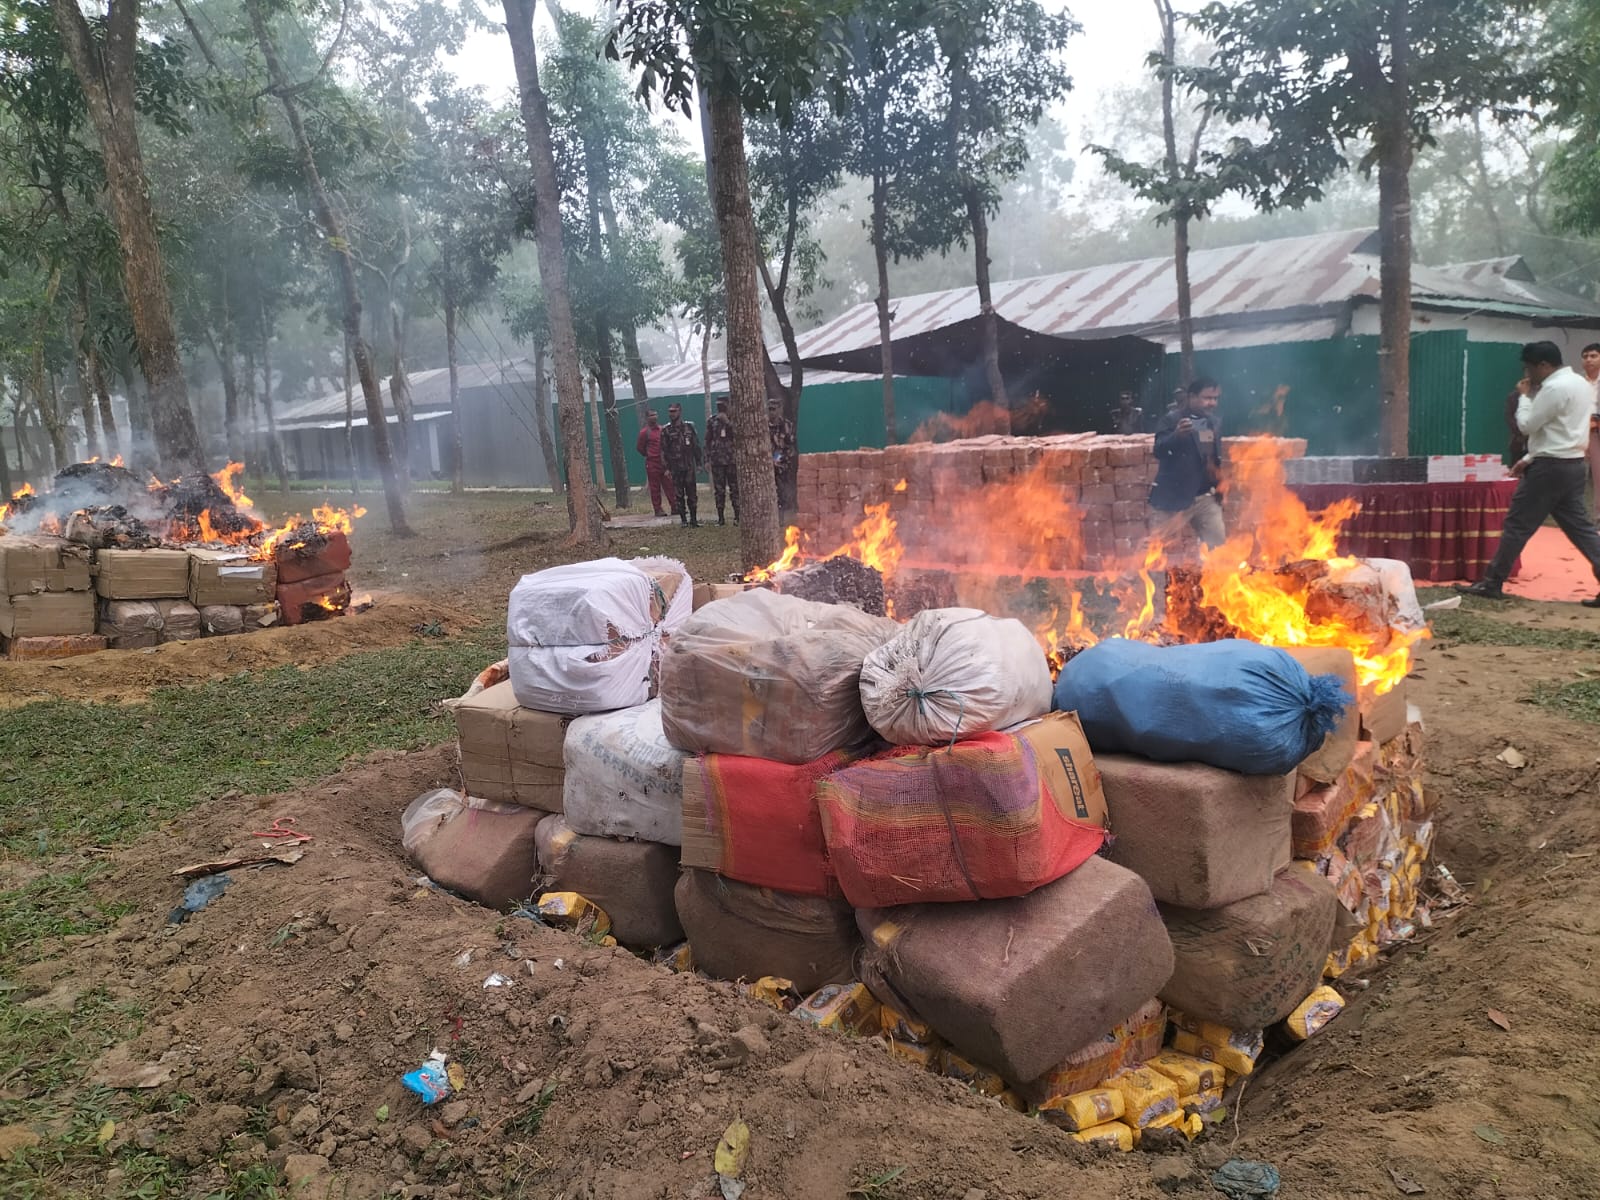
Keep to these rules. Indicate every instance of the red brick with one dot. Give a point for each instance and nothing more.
(1097, 495)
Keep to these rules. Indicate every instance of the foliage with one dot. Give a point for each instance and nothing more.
(1571, 54)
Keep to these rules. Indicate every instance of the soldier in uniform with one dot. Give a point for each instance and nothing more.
(680, 450)
(785, 465)
(719, 456)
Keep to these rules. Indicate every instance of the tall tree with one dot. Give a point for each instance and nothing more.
(1322, 75)
(1002, 67)
(745, 56)
(105, 58)
(332, 222)
(894, 140)
(583, 506)
(1570, 53)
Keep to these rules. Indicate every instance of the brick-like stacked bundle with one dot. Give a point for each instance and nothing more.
(1094, 489)
(46, 598)
(311, 577)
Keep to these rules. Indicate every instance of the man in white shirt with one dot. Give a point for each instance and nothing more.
(1591, 372)
(1554, 414)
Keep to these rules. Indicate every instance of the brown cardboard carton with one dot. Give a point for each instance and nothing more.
(1328, 761)
(1383, 718)
(509, 752)
(47, 614)
(331, 556)
(142, 574)
(42, 564)
(230, 577)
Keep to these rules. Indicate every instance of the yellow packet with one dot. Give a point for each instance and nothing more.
(986, 1082)
(1239, 1058)
(901, 1028)
(1113, 1135)
(1084, 1110)
(915, 1053)
(1313, 1013)
(1201, 1103)
(1173, 1129)
(848, 1007)
(1190, 1074)
(568, 910)
(674, 958)
(1146, 1095)
(774, 991)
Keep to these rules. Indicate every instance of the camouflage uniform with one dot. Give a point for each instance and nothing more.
(785, 460)
(719, 457)
(680, 451)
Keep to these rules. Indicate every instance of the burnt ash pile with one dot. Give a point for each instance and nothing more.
(835, 581)
(110, 526)
(186, 498)
(113, 485)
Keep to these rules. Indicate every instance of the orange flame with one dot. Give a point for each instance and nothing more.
(874, 544)
(117, 462)
(228, 480)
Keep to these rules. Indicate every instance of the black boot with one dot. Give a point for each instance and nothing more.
(683, 518)
(1483, 588)
(721, 520)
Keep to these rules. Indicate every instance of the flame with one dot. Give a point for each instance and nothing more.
(1141, 624)
(117, 462)
(874, 543)
(985, 417)
(25, 490)
(228, 480)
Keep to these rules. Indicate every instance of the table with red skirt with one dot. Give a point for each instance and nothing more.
(1442, 531)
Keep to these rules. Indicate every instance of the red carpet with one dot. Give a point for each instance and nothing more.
(1552, 570)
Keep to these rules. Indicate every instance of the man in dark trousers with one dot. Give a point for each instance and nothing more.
(719, 457)
(1553, 414)
(1189, 464)
(680, 451)
(655, 471)
(1128, 417)
(785, 462)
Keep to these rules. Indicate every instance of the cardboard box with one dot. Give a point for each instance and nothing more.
(509, 752)
(42, 564)
(1329, 760)
(230, 577)
(35, 649)
(705, 593)
(1383, 717)
(333, 558)
(142, 574)
(301, 600)
(47, 614)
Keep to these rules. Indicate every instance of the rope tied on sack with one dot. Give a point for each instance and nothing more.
(921, 697)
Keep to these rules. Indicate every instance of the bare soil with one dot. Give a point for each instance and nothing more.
(288, 1010)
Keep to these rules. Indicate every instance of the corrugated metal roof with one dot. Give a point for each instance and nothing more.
(430, 391)
(1275, 333)
(1288, 279)
(683, 379)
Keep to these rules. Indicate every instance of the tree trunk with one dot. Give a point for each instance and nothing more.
(630, 335)
(1394, 236)
(588, 525)
(595, 175)
(705, 364)
(988, 323)
(91, 435)
(458, 475)
(230, 388)
(332, 222)
(141, 436)
(44, 399)
(1180, 224)
(274, 444)
(597, 443)
(614, 448)
(102, 392)
(880, 255)
(400, 395)
(541, 425)
(5, 463)
(350, 426)
(105, 69)
(788, 393)
(760, 537)
(80, 337)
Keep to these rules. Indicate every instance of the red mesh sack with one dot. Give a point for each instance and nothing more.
(756, 821)
(990, 817)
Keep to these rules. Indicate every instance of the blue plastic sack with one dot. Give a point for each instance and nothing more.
(1232, 704)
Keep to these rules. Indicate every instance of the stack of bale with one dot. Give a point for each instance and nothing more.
(144, 598)
(567, 783)
(309, 577)
(47, 607)
(233, 592)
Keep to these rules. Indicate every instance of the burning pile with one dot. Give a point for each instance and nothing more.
(161, 562)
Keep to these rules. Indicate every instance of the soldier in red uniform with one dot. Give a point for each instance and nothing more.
(655, 468)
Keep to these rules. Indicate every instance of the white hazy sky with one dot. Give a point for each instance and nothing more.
(1117, 34)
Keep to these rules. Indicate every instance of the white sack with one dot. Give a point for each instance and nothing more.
(1397, 582)
(954, 672)
(622, 777)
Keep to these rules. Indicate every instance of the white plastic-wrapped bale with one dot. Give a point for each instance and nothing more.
(585, 638)
(623, 779)
(769, 676)
(954, 672)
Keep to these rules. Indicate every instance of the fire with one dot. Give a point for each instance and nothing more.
(984, 418)
(874, 544)
(228, 480)
(21, 493)
(117, 462)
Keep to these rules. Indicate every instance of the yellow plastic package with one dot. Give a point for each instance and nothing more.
(1313, 1013)
(1170, 1130)
(674, 958)
(900, 1028)
(849, 1007)
(982, 1079)
(1190, 1074)
(1084, 1110)
(915, 1053)
(1201, 1103)
(1234, 1049)
(1113, 1135)
(773, 991)
(1146, 1095)
(568, 910)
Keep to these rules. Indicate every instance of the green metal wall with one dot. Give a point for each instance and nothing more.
(1493, 369)
(833, 416)
(1438, 377)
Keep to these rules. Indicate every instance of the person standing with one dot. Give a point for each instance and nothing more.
(1591, 372)
(719, 457)
(1189, 464)
(1553, 414)
(785, 464)
(1129, 417)
(680, 450)
(655, 471)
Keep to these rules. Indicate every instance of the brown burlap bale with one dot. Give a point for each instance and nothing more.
(1249, 964)
(218, 620)
(632, 881)
(769, 676)
(741, 932)
(1200, 837)
(1018, 985)
(1330, 759)
(180, 620)
(482, 849)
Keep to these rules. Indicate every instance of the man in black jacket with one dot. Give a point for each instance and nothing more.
(1189, 463)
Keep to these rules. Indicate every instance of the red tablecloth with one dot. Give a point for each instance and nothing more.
(1443, 531)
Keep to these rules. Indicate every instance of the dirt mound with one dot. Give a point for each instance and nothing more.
(122, 676)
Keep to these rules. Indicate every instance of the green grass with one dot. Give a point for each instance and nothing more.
(96, 774)
(1580, 701)
(1465, 626)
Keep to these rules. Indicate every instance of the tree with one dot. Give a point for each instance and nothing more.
(332, 222)
(1002, 67)
(744, 56)
(1570, 53)
(105, 57)
(894, 139)
(1322, 75)
(583, 506)
(1182, 192)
